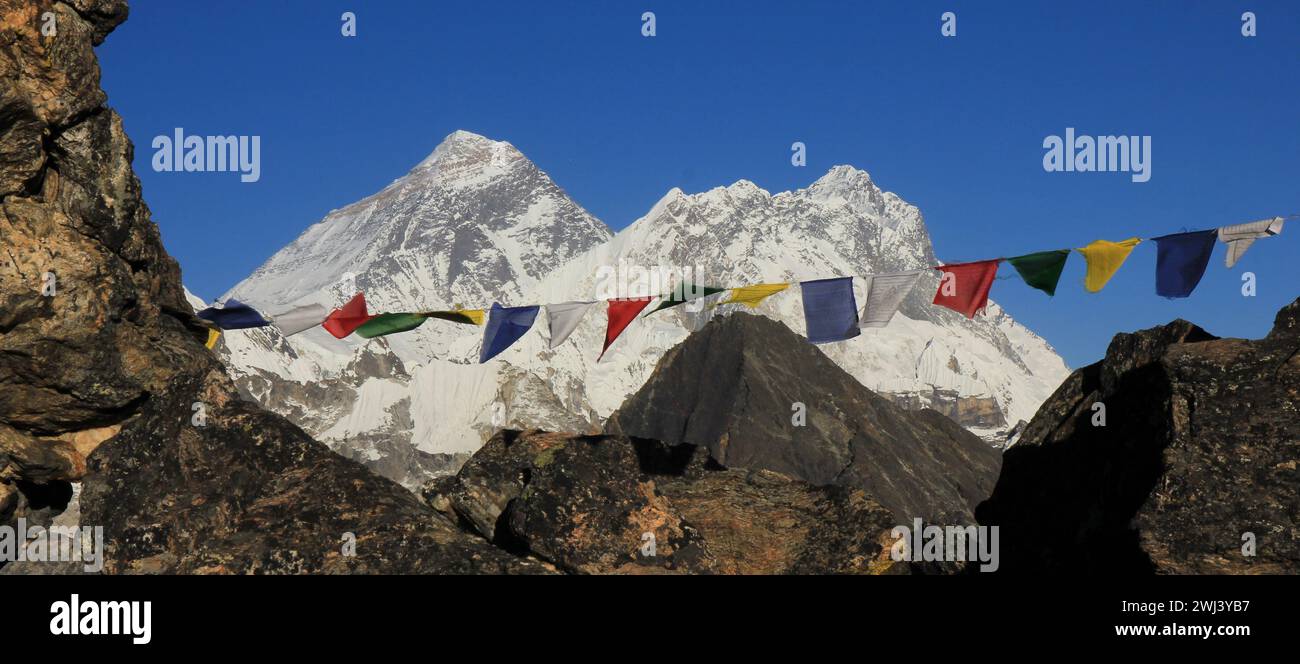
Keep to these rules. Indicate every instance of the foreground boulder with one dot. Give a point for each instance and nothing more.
(1194, 470)
(736, 385)
(104, 379)
(617, 505)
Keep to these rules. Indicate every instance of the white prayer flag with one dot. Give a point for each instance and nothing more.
(299, 319)
(1241, 236)
(885, 293)
(563, 319)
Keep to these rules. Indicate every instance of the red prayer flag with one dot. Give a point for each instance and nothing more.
(343, 321)
(964, 287)
(621, 312)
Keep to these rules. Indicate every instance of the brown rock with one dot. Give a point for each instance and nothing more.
(8, 501)
(594, 504)
(24, 457)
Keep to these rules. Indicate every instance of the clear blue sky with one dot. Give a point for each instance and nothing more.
(954, 126)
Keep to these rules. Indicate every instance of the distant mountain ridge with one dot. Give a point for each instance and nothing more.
(476, 222)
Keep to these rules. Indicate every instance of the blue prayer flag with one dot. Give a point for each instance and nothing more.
(830, 309)
(504, 327)
(235, 315)
(1181, 261)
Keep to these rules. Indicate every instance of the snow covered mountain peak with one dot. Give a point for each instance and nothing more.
(473, 222)
(844, 176)
(853, 188)
(465, 158)
(744, 187)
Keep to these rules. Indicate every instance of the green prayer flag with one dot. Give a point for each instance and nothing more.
(683, 295)
(1041, 270)
(389, 324)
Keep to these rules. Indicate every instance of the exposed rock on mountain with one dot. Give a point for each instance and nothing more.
(1194, 468)
(102, 363)
(741, 384)
(614, 505)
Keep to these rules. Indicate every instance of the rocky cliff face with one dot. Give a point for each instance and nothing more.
(1194, 470)
(103, 375)
(739, 387)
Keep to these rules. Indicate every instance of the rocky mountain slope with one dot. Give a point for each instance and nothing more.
(103, 376)
(748, 390)
(415, 246)
(616, 505)
(1193, 471)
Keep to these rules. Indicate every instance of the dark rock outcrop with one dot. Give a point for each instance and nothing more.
(102, 365)
(732, 387)
(1197, 459)
(593, 504)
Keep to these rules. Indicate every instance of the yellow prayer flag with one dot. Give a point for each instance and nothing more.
(463, 316)
(213, 335)
(1104, 258)
(475, 315)
(752, 296)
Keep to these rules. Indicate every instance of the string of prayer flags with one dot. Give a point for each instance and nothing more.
(684, 293)
(829, 309)
(504, 327)
(562, 319)
(1239, 237)
(233, 315)
(621, 313)
(462, 316)
(829, 306)
(346, 319)
(1104, 258)
(378, 326)
(964, 287)
(300, 319)
(1041, 270)
(1180, 261)
(752, 296)
(884, 294)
